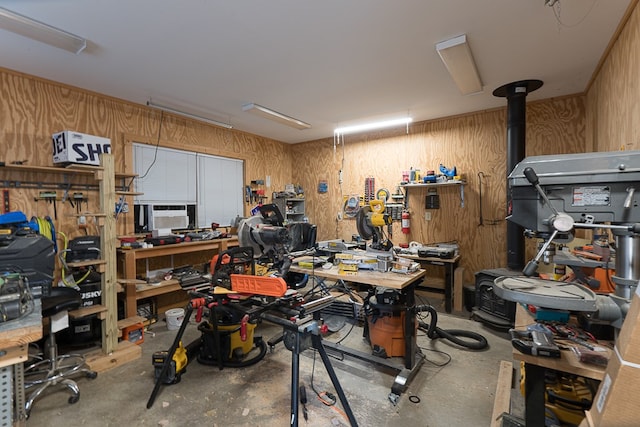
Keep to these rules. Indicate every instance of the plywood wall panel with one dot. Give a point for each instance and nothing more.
(474, 143)
(613, 100)
(32, 109)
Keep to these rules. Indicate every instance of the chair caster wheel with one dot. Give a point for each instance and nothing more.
(73, 399)
(92, 375)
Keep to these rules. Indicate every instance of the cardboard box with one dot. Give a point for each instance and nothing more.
(75, 147)
(615, 404)
(628, 342)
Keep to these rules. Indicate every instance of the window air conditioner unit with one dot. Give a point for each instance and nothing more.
(167, 216)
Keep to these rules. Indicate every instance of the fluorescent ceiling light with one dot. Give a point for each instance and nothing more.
(270, 114)
(40, 31)
(189, 115)
(373, 125)
(457, 57)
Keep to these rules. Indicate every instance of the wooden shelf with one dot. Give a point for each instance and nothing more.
(122, 175)
(76, 169)
(451, 183)
(146, 291)
(80, 264)
(95, 215)
(130, 321)
(87, 311)
(435, 184)
(135, 290)
(93, 178)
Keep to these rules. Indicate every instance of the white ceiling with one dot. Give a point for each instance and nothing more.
(326, 62)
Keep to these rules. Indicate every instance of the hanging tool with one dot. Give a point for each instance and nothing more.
(78, 198)
(5, 201)
(51, 197)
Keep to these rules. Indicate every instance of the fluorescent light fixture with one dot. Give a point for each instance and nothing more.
(39, 31)
(270, 114)
(189, 115)
(457, 57)
(372, 126)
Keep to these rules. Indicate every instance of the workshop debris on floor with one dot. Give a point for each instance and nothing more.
(454, 387)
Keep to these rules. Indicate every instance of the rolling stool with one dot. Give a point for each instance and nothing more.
(56, 369)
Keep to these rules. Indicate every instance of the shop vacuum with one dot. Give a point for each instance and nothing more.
(385, 323)
(384, 326)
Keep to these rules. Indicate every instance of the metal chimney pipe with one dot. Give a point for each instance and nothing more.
(516, 94)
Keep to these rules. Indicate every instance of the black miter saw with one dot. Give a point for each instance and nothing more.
(370, 221)
(267, 236)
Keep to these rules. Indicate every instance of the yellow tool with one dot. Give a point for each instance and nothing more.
(370, 223)
(378, 218)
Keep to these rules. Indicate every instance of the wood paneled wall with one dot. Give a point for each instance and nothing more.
(32, 109)
(473, 143)
(607, 118)
(613, 100)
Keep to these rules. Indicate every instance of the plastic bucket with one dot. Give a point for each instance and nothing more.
(174, 318)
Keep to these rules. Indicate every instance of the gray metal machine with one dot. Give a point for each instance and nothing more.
(555, 194)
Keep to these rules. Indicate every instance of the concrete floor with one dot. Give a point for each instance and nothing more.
(458, 393)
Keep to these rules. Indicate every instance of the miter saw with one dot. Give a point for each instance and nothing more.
(268, 237)
(553, 195)
(370, 221)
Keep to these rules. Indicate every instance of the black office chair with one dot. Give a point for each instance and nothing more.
(53, 369)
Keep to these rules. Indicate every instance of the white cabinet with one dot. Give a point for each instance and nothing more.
(291, 208)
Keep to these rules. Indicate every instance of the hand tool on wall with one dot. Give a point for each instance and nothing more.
(78, 198)
(5, 201)
(51, 197)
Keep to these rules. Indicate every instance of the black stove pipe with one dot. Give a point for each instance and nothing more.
(516, 94)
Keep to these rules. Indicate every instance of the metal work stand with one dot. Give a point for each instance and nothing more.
(297, 339)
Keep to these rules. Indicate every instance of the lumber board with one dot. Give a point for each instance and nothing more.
(502, 400)
(125, 352)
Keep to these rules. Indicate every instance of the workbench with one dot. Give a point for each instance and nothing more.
(450, 287)
(535, 367)
(15, 337)
(128, 258)
(406, 284)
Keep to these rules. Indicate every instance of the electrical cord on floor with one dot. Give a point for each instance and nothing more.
(475, 341)
(444, 353)
(347, 334)
(321, 395)
(324, 395)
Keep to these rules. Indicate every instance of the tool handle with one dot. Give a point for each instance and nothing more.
(303, 394)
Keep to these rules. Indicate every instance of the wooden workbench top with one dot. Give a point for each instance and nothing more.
(366, 277)
(22, 331)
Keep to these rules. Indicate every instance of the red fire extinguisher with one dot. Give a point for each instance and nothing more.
(406, 222)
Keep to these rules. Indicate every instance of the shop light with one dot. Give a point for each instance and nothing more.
(39, 31)
(457, 57)
(270, 114)
(189, 115)
(372, 126)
